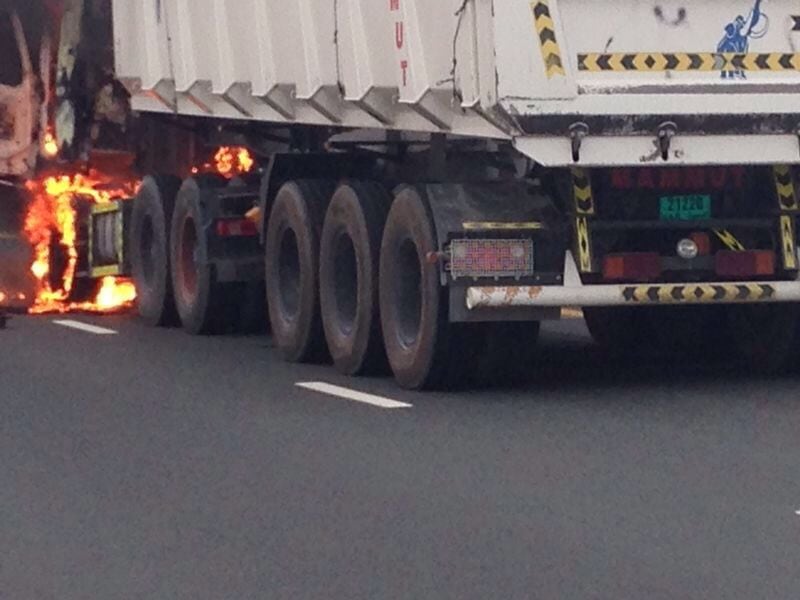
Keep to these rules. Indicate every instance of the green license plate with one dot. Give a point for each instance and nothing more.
(685, 208)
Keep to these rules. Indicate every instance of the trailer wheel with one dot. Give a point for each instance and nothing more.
(292, 269)
(349, 266)
(149, 242)
(766, 336)
(423, 349)
(200, 301)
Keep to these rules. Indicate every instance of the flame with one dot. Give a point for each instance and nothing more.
(232, 161)
(229, 161)
(52, 217)
(49, 145)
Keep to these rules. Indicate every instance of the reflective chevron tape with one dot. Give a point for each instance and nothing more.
(582, 188)
(584, 243)
(688, 61)
(698, 294)
(730, 241)
(784, 185)
(789, 242)
(546, 29)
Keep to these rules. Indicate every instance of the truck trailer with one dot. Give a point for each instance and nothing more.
(435, 178)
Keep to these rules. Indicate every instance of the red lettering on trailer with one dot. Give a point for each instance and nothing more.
(400, 39)
(622, 179)
(696, 179)
(671, 179)
(718, 178)
(738, 175)
(646, 181)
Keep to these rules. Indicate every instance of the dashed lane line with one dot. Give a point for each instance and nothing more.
(85, 327)
(354, 395)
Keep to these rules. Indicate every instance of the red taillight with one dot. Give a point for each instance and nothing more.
(702, 241)
(638, 266)
(236, 228)
(750, 263)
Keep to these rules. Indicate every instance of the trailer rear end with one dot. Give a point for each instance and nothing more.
(433, 179)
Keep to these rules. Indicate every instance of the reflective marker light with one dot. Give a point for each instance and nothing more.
(491, 258)
(703, 242)
(739, 265)
(636, 266)
(236, 228)
(687, 249)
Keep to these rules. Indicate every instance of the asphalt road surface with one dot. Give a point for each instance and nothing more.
(141, 463)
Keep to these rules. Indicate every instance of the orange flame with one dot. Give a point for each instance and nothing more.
(232, 161)
(52, 217)
(49, 145)
(229, 161)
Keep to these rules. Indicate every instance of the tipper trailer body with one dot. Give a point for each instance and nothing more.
(438, 176)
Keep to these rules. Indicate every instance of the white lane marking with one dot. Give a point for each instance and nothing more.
(797, 512)
(85, 327)
(348, 394)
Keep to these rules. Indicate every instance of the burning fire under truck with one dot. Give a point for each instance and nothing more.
(380, 183)
(69, 152)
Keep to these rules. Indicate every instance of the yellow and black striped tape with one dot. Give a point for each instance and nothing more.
(688, 61)
(784, 185)
(584, 242)
(697, 293)
(730, 241)
(546, 29)
(505, 226)
(789, 242)
(582, 189)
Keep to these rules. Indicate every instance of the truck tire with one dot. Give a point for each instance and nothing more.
(292, 269)
(349, 265)
(149, 243)
(202, 304)
(424, 351)
(765, 336)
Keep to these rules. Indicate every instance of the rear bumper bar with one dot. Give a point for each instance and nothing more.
(633, 294)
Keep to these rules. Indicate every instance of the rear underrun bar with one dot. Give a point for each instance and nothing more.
(633, 294)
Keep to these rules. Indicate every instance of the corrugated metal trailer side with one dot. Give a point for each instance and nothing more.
(414, 65)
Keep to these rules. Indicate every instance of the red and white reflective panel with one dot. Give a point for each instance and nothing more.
(491, 258)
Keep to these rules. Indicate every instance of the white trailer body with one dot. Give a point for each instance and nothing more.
(614, 82)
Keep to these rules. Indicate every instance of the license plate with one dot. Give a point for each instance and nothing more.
(685, 208)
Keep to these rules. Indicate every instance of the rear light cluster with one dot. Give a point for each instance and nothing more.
(647, 266)
(637, 266)
(236, 228)
(491, 258)
(751, 263)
